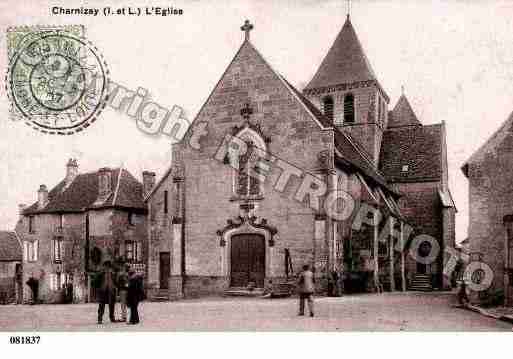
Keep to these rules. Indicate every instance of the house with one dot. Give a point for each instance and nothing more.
(83, 221)
(250, 202)
(10, 268)
(490, 235)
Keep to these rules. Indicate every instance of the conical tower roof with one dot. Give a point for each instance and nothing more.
(345, 62)
(403, 114)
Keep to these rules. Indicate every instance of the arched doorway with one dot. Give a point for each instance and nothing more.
(247, 259)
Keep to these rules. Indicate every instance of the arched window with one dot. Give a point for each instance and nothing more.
(327, 103)
(246, 180)
(349, 108)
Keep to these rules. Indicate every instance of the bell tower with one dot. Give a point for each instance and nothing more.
(346, 90)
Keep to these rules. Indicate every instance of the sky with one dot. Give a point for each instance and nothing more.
(454, 59)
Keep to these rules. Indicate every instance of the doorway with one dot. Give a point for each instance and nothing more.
(165, 269)
(247, 260)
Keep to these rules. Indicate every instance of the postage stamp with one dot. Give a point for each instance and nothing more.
(56, 80)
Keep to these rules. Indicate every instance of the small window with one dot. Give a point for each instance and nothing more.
(32, 227)
(165, 202)
(131, 218)
(61, 221)
(405, 168)
(349, 108)
(328, 107)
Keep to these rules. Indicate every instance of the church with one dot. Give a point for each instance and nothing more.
(227, 216)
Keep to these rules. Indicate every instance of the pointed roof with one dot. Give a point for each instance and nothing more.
(345, 62)
(402, 114)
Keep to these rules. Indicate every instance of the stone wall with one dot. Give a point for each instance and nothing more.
(209, 194)
(490, 199)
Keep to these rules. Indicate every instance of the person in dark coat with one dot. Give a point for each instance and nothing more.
(107, 293)
(134, 296)
(306, 289)
(33, 284)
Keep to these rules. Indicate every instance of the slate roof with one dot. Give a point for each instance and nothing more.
(418, 147)
(10, 249)
(345, 61)
(402, 114)
(82, 194)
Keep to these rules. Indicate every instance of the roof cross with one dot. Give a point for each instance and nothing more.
(247, 27)
(246, 111)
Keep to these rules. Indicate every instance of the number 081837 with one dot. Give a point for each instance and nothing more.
(24, 339)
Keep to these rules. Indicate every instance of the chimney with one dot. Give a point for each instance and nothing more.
(71, 170)
(148, 182)
(21, 208)
(42, 196)
(104, 184)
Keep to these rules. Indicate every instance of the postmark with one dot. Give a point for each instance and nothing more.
(57, 80)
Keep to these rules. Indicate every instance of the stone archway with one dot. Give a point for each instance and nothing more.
(246, 251)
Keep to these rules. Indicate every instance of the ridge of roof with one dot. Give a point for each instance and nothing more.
(494, 136)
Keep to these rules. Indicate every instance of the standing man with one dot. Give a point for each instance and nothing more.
(123, 289)
(306, 289)
(107, 293)
(134, 295)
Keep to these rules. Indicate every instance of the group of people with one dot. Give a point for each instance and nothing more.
(128, 285)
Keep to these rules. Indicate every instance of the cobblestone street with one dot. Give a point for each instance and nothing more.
(386, 312)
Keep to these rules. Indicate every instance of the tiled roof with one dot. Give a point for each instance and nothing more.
(412, 153)
(345, 62)
(402, 114)
(82, 193)
(10, 249)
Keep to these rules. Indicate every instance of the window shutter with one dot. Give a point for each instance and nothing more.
(36, 250)
(61, 249)
(25, 251)
(139, 252)
(54, 254)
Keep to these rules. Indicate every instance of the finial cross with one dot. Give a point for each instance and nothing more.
(247, 27)
(246, 111)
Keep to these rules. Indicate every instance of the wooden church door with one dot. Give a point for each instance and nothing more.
(247, 260)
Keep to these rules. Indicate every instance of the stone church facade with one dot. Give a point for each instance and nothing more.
(281, 177)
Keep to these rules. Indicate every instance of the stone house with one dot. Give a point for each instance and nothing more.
(250, 195)
(86, 219)
(10, 268)
(490, 235)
